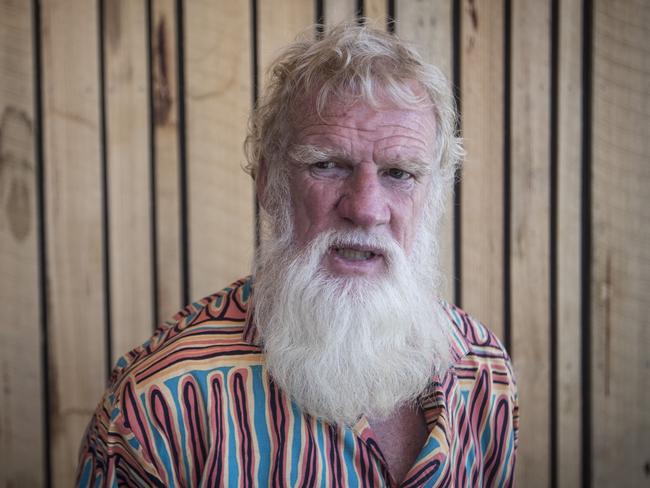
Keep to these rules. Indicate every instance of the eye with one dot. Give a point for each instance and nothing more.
(329, 169)
(399, 174)
(324, 165)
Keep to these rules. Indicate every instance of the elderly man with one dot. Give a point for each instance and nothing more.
(336, 364)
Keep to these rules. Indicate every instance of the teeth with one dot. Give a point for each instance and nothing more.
(354, 255)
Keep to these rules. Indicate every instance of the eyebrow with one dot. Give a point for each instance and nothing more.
(307, 154)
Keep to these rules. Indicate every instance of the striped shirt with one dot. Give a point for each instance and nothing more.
(194, 406)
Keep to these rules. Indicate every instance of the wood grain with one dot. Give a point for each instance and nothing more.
(164, 67)
(428, 24)
(621, 255)
(529, 211)
(482, 202)
(218, 100)
(337, 11)
(76, 343)
(377, 12)
(129, 178)
(569, 160)
(21, 402)
(279, 24)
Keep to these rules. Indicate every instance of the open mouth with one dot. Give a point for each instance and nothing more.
(355, 254)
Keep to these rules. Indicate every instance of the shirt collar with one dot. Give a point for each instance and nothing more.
(250, 334)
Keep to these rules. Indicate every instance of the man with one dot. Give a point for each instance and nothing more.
(335, 364)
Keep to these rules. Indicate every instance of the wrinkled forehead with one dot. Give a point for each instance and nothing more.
(323, 100)
(348, 110)
(402, 124)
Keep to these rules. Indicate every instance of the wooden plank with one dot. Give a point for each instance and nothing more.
(529, 213)
(73, 217)
(279, 24)
(21, 404)
(337, 11)
(482, 175)
(569, 133)
(428, 24)
(377, 12)
(165, 115)
(621, 255)
(127, 147)
(218, 92)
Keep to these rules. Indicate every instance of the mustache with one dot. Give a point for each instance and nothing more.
(379, 244)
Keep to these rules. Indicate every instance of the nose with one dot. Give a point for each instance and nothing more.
(364, 202)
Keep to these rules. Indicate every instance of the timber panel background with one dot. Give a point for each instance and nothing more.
(122, 197)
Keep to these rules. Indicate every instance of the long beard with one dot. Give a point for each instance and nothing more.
(346, 346)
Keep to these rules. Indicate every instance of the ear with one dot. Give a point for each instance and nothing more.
(261, 178)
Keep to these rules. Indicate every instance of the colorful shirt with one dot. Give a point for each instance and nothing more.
(194, 406)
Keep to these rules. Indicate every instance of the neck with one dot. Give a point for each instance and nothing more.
(401, 437)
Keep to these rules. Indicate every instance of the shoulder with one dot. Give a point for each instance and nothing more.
(479, 355)
(469, 336)
(201, 335)
(483, 373)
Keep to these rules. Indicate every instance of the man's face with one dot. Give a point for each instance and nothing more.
(360, 168)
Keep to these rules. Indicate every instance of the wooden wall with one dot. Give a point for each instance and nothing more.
(122, 197)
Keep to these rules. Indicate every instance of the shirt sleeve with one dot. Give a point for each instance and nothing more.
(111, 455)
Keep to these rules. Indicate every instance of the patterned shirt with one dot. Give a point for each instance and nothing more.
(194, 406)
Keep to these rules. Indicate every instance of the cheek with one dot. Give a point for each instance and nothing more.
(407, 212)
(403, 224)
(313, 208)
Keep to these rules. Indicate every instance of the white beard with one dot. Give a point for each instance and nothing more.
(346, 346)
